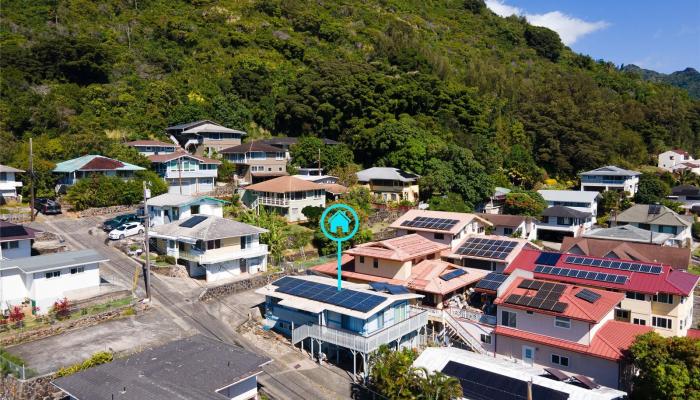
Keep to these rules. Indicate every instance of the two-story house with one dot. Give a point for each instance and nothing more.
(9, 182)
(286, 195)
(47, 278)
(350, 322)
(186, 173)
(676, 257)
(15, 240)
(557, 222)
(409, 261)
(490, 253)
(153, 147)
(390, 184)
(610, 178)
(256, 162)
(170, 207)
(204, 136)
(689, 195)
(658, 218)
(669, 159)
(567, 327)
(577, 200)
(495, 203)
(71, 171)
(518, 226)
(214, 247)
(655, 295)
(440, 226)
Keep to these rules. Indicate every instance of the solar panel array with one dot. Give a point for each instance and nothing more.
(441, 224)
(491, 281)
(193, 221)
(581, 274)
(487, 248)
(588, 295)
(612, 264)
(329, 294)
(654, 209)
(547, 258)
(546, 298)
(387, 287)
(452, 274)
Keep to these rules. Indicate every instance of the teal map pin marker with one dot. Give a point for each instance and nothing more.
(339, 217)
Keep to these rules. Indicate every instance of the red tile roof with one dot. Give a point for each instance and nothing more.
(161, 158)
(669, 281)
(101, 164)
(610, 342)
(400, 248)
(577, 308)
(140, 143)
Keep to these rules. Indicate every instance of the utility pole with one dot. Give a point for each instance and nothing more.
(529, 389)
(147, 276)
(319, 162)
(31, 177)
(179, 171)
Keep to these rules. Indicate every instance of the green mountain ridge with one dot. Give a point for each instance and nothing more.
(688, 79)
(445, 89)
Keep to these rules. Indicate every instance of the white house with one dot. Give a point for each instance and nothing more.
(151, 147)
(559, 221)
(49, 277)
(15, 240)
(440, 226)
(495, 203)
(214, 247)
(204, 136)
(9, 183)
(669, 159)
(519, 226)
(286, 195)
(186, 173)
(610, 178)
(170, 207)
(577, 200)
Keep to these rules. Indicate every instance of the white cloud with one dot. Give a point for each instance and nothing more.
(569, 28)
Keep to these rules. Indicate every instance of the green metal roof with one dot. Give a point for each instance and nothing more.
(77, 163)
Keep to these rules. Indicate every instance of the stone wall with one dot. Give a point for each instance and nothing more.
(226, 289)
(39, 388)
(92, 212)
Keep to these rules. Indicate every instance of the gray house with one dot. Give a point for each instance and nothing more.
(658, 218)
(610, 178)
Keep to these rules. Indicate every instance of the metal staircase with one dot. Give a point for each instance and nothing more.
(456, 331)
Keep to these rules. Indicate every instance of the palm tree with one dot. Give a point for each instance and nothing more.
(438, 386)
(686, 177)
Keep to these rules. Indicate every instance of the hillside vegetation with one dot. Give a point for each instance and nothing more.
(445, 89)
(688, 79)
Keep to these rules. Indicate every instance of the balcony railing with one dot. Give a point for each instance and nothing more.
(222, 254)
(356, 341)
(196, 173)
(273, 201)
(606, 181)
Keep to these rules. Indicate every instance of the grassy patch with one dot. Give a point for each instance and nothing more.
(694, 269)
(12, 364)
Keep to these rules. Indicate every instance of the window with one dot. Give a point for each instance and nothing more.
(562, 322)
(660, 322)
(485, 338)
(77, 270)
(362, 259)
(560, 360)
(639, 321)
(9, 245)
(508, 319)
(622, 314)
(375, 263)
(663, 298)
(682, 324)
(53, 274)
(213, 244)
(635, 296)
(507, 231)
(529, 312)
(279, 156)
(439, 236)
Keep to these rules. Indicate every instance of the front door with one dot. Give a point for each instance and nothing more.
(528, 355)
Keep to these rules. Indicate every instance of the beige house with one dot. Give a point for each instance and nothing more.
(390, 184)
(256, 162)
(440, 226)
(204, 137)
(285, 195)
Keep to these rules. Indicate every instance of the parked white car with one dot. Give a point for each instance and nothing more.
(128, 229)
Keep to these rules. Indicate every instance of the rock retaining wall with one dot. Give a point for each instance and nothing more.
(39, 388)
(93, 212)
(226, 289)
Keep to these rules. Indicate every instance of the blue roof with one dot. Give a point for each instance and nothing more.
(78, 163)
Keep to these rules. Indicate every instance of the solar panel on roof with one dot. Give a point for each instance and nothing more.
(654, 209)
(487, 248)
(588, 295)
(441, 224)
(193, 221)
(347, 298)
(452, 274)
(491, 281)
(548, 258)
(582, 274)
(620, 265)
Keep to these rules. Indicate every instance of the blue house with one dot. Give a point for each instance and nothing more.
(353, 321)
(339, 221)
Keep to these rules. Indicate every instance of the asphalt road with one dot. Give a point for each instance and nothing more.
(177, 298)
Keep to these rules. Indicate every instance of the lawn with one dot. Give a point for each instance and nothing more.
(694, 269)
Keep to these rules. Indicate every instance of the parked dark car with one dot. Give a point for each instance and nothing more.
(118, 221)
(47, 206)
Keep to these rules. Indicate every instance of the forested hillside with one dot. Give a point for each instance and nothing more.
(445, 89)
(688, 79)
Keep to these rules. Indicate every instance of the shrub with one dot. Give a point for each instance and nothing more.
(16, 315)
(129, 311)
(101, 357)
(61, 309)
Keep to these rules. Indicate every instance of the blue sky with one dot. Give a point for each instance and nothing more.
(663, 35)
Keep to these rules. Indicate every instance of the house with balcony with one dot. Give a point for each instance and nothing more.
(495, 203)
(577, 200)
(411, 262)
(487, 252)
(350, 323)
(558, 222)
(610, 178)
(15, 240)
(216, 248)
(517, 226)
(204, 137)
(153, 147)
(668, 160)
(566, 327)
(47, 278)
(676, 257)
(256, 162)
(658, 218)
(196, 367)
(71, 171)
(185, 173)
(9, 182)
(390, 184)
(170, 207)
(440, 226)
(285, 195)
(654, 294)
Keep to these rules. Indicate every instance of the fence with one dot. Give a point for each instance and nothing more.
(306, 264)
(8, 367)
